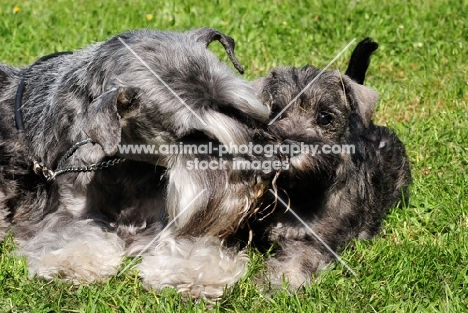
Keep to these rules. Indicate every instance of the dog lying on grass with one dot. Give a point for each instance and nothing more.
(80, 225)
(76, 209)
(344, 190)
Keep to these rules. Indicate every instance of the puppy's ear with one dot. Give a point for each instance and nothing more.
(366, 99)
(208, 35)
(261, 91)
(258, 84)
(104, 114)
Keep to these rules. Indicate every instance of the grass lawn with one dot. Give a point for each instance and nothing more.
(419, 263)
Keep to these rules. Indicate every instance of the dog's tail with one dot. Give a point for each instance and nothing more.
(360, 59)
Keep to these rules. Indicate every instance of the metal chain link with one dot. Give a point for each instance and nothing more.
(72, 150)
(87, 168)
(39, 168)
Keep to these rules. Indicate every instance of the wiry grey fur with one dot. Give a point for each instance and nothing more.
(81, 225)
(341, 197)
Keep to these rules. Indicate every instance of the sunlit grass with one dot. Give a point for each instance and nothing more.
(420, 261)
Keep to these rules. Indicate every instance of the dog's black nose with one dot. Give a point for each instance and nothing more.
(290, 142)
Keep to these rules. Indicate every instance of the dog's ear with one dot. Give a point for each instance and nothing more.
(366, 100)
(104, 114)
(258, 84)
(262, 92)
(208, 35)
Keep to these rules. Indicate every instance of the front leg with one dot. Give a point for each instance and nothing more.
(295, 262)
(308, 240)
(78, 250)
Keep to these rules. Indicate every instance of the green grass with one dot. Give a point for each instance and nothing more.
(419, 263)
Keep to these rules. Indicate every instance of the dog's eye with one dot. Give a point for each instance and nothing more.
(324, 118)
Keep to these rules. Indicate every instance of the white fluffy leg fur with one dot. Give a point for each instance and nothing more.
(198, 267)
(79, 251)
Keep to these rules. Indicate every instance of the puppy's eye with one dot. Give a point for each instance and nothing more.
(324, 118)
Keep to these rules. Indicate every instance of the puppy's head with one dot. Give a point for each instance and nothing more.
(315, 109)
(151, 87)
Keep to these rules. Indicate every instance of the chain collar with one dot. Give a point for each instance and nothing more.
(40, 169)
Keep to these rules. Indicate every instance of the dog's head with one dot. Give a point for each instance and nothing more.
(152, 87)
(317, 110)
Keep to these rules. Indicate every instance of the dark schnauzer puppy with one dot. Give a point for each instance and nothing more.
(343, 189)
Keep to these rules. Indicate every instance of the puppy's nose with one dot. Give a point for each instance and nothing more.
(292, 146)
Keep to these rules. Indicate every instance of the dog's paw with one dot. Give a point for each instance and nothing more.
(80, 252)
(290, 272)
(198, 267)
(294, 266)
(282, 231)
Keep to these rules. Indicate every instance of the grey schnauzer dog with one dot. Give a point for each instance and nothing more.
(77, 209)
(339, 196)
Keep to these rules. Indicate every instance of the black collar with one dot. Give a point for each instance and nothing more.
(22, 85)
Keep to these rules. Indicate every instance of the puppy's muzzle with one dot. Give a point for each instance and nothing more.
(293, 147)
